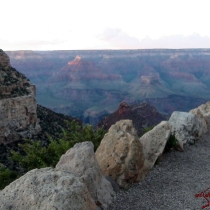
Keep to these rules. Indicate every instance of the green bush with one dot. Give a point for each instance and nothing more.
(147, 129)
(6, 177)
(34, 155)
(37, 156)
(87, 133)
(172, 143)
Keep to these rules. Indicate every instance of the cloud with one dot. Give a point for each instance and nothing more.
(119, 39)
(29, 44)
(180, 41)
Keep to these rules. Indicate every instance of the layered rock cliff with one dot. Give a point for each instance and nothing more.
(18, 116)
(96, 81)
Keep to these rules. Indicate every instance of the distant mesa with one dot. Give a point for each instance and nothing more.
(79, 65)
(75, 61)
(147, 80)
(149, 86)
(142, 114)
(79, 69)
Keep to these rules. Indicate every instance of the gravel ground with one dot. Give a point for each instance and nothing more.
(173, 183)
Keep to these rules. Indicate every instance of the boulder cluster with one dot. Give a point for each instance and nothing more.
(84, 180)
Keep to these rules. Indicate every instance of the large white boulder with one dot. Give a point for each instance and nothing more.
(80, 160)
(120, 154)
(205, 110)
(185, 126)
(202, 123)
(46, 189)
(153, 143)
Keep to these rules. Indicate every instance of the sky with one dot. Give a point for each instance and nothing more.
(104, 24)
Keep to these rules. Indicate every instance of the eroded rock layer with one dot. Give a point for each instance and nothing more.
(18, 116)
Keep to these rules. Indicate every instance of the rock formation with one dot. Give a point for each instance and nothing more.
(202, 122)
(120, 154)
(17, 104)
(205, 111)
(4, 60)
(141, 114)
(149, 86)
(185, 126)
(80, 160)
(171, 80)
(46, 188)
(153, 143)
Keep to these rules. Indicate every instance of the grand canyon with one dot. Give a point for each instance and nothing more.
(90, 84)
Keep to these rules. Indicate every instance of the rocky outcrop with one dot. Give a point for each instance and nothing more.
(12, 83)
(201, 121)
(153, 143)
(51, 123)
(46, 188)
(4, 60)
(120, 154)
(205, 111)
(141, 114)
(18, 117)
(185, 126)
(80, 160)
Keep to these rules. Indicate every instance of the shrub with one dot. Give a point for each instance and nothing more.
(172, 143)
(34, 155)
(38, 156)
(7, 176)
(147, 129)
(87, 133)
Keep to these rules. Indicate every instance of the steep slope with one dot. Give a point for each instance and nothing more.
(142, 114)
(18, 116)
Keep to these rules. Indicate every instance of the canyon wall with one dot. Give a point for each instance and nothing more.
(18, 118)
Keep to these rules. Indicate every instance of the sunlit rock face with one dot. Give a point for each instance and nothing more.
(18, 116)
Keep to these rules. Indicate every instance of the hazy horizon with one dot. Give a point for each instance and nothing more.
(89, 25)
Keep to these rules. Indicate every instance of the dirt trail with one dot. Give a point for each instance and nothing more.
(173, 183)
